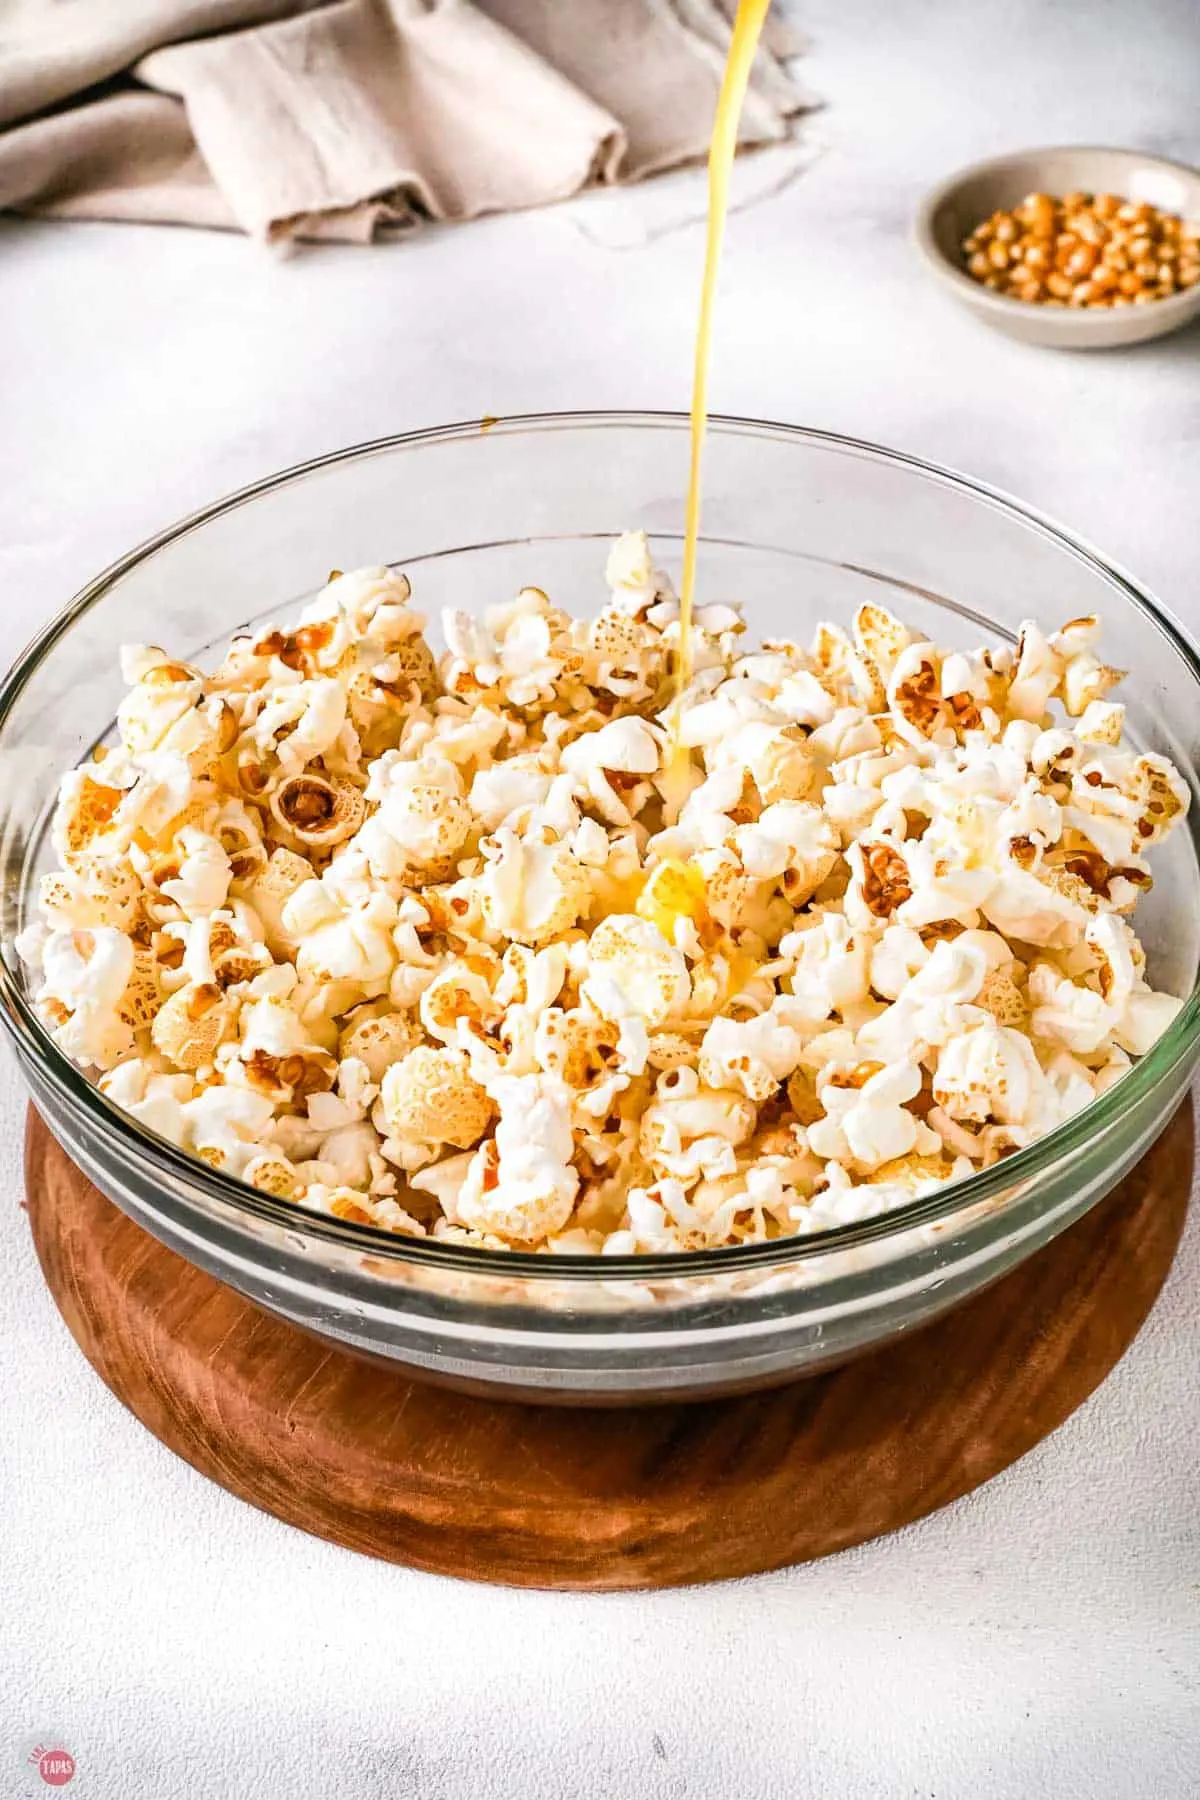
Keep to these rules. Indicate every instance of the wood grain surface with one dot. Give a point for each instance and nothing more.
(601, 1499)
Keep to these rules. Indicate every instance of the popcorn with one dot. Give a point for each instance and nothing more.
(677, 894)
(269, 891)
(1067, 1013)
(521, 1185)
(349, 944)
(84, 814)
(606, 765)
(880, 638)
(225, 1127)
(631, 574)
(366, 604)
(789, 839)
(845, 673)
(1121, 1010)
(752, 1056)
(162, 794)
(274, 1054)
(317, 811)
(989, 1072)
(272, 1174)
(422, 818)
(895, 958)
(670, 1050)
(915, 695)
(778, 760)
(162, 694)
(1101, 722)
(829, 967)
(690, 1130)
(1085, 682)
(85, 975)
(204, 875)
(190, 1027)
(1161, 795)
(806, 702)
(457, 997)
(155, 1100)
(932, 1007)
(881, 878)
(1035, 677)
(516, 948)
(142, 994)
(1144, 1018)
(868, 1120)
(361, 1209)
(631, 955)
(91, 891)
(1002, 997)
(348, 1156)
(1022, 906)
(301, 722)
(432, 1097)
(531, 891)
(508, 791)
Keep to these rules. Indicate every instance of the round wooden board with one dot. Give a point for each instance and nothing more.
(541, 1496)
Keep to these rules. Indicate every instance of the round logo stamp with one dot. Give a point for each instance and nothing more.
(56, 1767)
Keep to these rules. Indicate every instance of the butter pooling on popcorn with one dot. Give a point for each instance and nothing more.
(509, 949)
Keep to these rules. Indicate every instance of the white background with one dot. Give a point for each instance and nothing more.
(1039, 1638)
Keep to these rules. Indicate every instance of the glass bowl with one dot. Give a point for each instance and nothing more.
(798, 524)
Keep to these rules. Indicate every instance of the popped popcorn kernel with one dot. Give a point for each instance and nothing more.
(268, 892)
(532, 892)
(85, 813)
(274, 1175)
(632, 955)
(521, 1185)
(91, 891)
(191, 1026)
(318, 811)
(751, 1056)
(511, 946)
(430, 1095)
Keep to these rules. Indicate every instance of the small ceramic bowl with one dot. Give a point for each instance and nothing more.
(952, 210)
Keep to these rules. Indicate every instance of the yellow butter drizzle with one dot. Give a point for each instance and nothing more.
(747, 28)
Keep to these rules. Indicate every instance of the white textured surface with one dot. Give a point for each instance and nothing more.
(1039, 1638)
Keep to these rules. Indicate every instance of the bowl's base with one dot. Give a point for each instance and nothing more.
(542, 1496)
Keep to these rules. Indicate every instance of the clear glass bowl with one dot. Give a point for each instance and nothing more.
(799, 525)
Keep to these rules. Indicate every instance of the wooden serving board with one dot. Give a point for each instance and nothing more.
(642, 1497)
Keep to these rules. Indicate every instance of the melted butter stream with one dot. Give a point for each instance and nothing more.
(747, 29)
(677, 889)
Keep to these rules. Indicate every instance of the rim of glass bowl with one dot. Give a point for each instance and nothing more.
(1013, 1172)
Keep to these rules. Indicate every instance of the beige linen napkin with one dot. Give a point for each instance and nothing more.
(339, 118)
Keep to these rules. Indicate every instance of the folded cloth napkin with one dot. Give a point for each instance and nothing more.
(344, 118)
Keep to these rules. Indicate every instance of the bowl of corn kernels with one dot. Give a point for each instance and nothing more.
(1070, 247)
